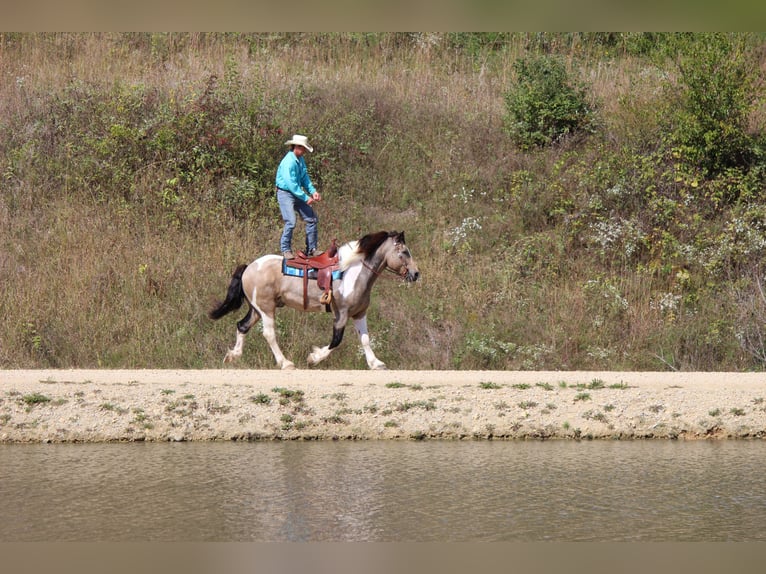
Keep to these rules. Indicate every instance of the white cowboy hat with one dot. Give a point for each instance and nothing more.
(300, 140)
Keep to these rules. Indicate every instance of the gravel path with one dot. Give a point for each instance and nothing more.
(239, 404)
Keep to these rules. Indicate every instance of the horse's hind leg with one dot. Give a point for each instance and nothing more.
(271, 339)
(243, 326)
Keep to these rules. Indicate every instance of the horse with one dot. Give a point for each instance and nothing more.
(265, 287)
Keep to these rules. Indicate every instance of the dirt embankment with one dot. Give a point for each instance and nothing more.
(238, 404)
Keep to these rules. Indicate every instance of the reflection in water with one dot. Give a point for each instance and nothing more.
(384, 491)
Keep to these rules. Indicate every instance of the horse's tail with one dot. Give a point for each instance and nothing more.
(234, 296)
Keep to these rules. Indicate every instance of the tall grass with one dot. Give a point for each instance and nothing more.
(137, 171)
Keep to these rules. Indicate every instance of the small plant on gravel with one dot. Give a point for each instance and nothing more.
(489, 385)
(425, 405)
(390, 424)
(35, 399)
(609, 408)
(594, 415)
(737, 412)
(261, 399)
(395, 385)
(545, 386)
(521, 386)
(335, 419)
(167, 391)
(596, 384)
(582, 397)
(714, 412)
(287, 421)
(286, 395)
(620, 385)
(656, 408)
(527, 405)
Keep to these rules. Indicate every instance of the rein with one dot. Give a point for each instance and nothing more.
(401, 274)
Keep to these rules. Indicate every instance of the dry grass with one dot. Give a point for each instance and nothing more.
(114, 241)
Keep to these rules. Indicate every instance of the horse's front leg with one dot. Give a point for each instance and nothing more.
(318, 354)
(364, 338)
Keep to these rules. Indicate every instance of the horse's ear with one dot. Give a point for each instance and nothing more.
(399, 238)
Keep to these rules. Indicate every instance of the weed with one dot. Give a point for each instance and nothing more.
(737, 412)
(595, 415)
(714, 412)
(261, 399)
(287, 421)
(108, 407)
(620, 386)
(35, 399)
(335, 419)
(545, 386)
(395, 385)
(656, 408)
(489, 385)
(287, 396)
(428, 405)
(582, 397)
(527, 405)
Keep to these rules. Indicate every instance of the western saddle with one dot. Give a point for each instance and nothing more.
(322, 267)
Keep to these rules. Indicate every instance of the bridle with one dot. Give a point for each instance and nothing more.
(401, 274)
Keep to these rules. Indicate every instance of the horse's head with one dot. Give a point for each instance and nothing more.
(399, 259)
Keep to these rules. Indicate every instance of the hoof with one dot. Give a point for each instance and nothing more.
(379, 367)
(230, 357)
(317, 356)
(288, 366)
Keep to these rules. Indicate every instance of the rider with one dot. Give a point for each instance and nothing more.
(296, 193)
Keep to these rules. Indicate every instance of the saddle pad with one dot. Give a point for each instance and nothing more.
(295, 272)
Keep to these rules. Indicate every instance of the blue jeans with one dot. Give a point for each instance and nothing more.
(288, 206)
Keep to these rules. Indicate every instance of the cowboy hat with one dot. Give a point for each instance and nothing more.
(301, 141)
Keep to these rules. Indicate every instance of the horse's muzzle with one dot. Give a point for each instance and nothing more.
(411, 276)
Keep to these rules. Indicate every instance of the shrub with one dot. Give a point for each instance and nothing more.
(545, 104)
(717, 77)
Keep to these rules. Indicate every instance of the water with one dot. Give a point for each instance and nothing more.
(384, 491)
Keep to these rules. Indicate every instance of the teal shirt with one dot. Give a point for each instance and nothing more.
(293, 176)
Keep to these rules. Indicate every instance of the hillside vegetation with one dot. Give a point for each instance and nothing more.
(574, 201)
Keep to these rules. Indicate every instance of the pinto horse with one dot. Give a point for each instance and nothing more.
(266, 288)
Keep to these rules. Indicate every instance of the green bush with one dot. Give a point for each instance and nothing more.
(718, 79)
(544, 104)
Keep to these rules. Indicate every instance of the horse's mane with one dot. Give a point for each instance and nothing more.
(363, 248)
